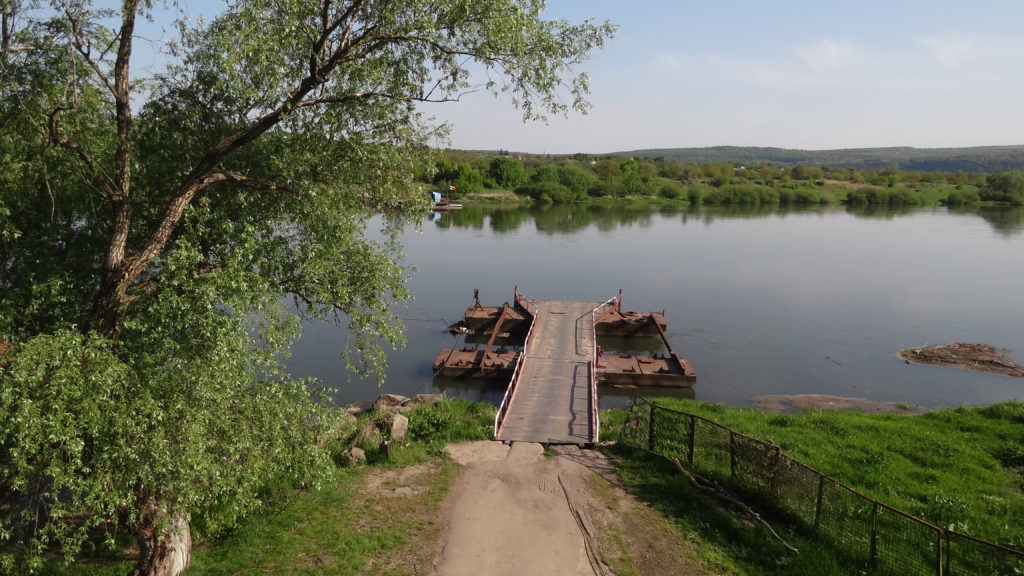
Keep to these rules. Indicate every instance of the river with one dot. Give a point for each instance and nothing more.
(760, 300)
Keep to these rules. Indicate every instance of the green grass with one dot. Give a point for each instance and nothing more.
(338, 529)
(727, 541)
(334, 530)
(959, 468)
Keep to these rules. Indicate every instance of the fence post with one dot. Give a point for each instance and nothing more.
(873, 554)
(650, 429)
(817, 505)
(949, 550)
(693, 439)
(732, 453)
(938, 555)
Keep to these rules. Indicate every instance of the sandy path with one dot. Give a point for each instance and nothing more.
(513, 511)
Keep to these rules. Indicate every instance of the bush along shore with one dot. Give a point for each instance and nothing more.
(590, 178)
(960, 469)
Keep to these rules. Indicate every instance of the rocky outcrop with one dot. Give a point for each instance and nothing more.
(390, 402)
(398, 428)
(354, 456)
(425, 399)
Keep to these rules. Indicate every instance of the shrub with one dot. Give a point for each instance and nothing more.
(962, 197)
(1004, 187)
(696, 193)
(670, 191)
(547, 192)
(744, 194)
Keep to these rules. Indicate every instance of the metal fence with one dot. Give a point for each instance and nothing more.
(880, 538)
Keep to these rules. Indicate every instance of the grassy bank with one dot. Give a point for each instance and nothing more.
(726, 538)
(959, 468)
(342, 528)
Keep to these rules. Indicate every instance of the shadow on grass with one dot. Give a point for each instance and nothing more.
(729, 539)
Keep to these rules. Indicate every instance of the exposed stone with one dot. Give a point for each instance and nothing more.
(424, 399)
(399, 428)
(354, 456)
(389, 401)
(368, 433)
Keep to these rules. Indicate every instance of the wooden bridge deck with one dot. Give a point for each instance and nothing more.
(551, 402)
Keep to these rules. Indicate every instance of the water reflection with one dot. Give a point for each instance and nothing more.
(1006, 221)
(760, 300)
(555, 219)
(876, 212)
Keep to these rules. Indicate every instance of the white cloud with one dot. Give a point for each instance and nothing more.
(829, 55)
(685, 63)
(952, 50)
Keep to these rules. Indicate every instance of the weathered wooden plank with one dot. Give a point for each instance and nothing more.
(552, 399)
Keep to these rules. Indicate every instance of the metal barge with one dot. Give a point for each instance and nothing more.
(501, 329)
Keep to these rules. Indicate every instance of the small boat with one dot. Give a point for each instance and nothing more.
(459, 327)
(441, 203)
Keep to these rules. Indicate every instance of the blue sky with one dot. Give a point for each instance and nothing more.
(796, 74)
(806, 74)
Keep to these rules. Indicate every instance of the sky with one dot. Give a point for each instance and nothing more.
(821, 74)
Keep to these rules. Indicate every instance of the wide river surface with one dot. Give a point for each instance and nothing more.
(761, 301)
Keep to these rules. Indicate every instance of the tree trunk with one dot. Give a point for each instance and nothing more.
(163, 552)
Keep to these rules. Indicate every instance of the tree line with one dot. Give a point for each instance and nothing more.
(971, 159)
(580, 177)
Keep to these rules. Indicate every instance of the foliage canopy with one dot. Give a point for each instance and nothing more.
(151, 227)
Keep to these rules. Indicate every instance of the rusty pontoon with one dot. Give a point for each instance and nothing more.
(499, 333)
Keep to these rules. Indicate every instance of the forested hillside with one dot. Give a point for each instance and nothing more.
(986, 159)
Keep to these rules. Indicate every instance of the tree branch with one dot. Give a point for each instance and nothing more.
(53, 134)
(82, 46)
(244, 180)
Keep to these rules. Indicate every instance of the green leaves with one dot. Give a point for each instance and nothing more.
(179, 227)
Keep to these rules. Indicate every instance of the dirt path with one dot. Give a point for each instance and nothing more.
(514, 510)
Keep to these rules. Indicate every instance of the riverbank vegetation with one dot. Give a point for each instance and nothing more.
(338, 526)
(588, 178)
(960, 469)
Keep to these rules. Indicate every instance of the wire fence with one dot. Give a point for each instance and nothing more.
(881, 539)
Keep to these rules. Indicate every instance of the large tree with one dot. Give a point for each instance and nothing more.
(151, 225)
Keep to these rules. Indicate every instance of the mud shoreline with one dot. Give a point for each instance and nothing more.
(978, 357)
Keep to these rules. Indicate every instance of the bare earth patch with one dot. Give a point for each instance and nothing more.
(978, 357)
(791, 402)
(403, 499)
(514, 510)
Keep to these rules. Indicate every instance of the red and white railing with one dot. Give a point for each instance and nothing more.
(596, 368)
(506, 400)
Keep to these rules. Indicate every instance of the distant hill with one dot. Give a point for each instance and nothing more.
(976, 159)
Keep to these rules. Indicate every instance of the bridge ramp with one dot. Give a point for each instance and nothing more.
(551, 403)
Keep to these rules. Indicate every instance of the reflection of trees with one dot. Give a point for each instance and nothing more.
(569, 218)
(468, 217)
(875, 212)
(608, 218)
(1008, 221)
(552, 219)
(561, 218)
(509, 220)
(710, 213)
